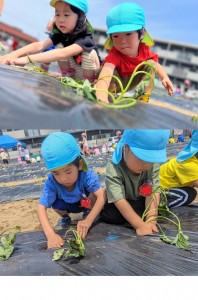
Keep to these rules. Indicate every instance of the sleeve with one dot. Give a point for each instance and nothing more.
(86, 43)
(92, 183)
(114, 184)
(56, 39)
(112, 58)
(187, 172)
(155, 176)
(49, 194)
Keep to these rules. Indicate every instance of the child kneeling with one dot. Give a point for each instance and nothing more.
(68, 182)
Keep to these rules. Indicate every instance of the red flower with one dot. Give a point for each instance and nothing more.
(85, 202)
(145, 190)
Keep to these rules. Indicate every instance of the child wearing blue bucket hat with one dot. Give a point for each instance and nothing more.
(132, 176)
(179, 175)
(67, 187)
(129, 44)
(78, 55)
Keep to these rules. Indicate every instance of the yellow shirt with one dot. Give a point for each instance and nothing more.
(178, 174)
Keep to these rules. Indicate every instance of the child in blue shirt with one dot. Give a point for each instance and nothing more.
(69, 181)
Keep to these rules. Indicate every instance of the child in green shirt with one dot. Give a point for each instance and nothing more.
(132, 176)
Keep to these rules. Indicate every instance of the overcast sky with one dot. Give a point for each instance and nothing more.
(174, 20)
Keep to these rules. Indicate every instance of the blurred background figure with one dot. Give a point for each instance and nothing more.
(104, 149)
(84, 142)
(180, 138)
(177, 90)
(119, 134)
(171, 140)
(1, 6)
(187, 84)
(27, 158)
(96, 150)
(4, 156)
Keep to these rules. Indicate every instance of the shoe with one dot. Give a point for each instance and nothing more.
(64, 221)
(143, 98)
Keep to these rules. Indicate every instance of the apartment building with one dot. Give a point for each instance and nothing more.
(180, 60)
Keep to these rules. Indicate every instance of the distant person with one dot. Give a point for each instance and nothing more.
(104, 149)
(180, 138)
(131, 178)
(187, 85)
(171, 140)
(4, 157)
(119, 134)
(21, 151)
(96, 150)
(178, 90)
(84, 143)
(71, 29)
(179, 176)
(27, 158)
(129, 44)
(1, 6)
(67, 184)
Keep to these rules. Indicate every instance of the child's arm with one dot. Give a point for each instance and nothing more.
(53, 239)
(153, 205)
(104, 83)
(29, 49)
(49, 56)
(195, 183)
(132, 217)
(84, 225)
(165, 79)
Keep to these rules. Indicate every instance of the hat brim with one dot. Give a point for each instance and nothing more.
(186, 153)
(84, 168)
(147, 39)
(53, 3)
(151, 156)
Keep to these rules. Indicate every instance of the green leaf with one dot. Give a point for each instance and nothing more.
(163, 209)
(58, 254)
(11, 238)
(181, 241)
(166, 239)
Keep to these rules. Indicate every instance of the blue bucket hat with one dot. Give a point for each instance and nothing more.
(191, 149)
(81, 4)
(147, 145)
(126, 17)
(59, 149)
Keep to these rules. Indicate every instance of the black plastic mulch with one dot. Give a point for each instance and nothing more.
(33, 171)
(110, 250)
(28, 98)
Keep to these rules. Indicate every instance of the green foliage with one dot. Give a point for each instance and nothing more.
(195, 119)
(75, 247)
(181, 240)
(7, 246)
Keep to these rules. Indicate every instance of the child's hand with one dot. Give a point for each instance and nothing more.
(168, 85)
(22, 61)
(147, 228)
(83, 227)
(54, 241)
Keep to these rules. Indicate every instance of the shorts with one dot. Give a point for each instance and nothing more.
(5, 161)
(22, 158)
(60, 204)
